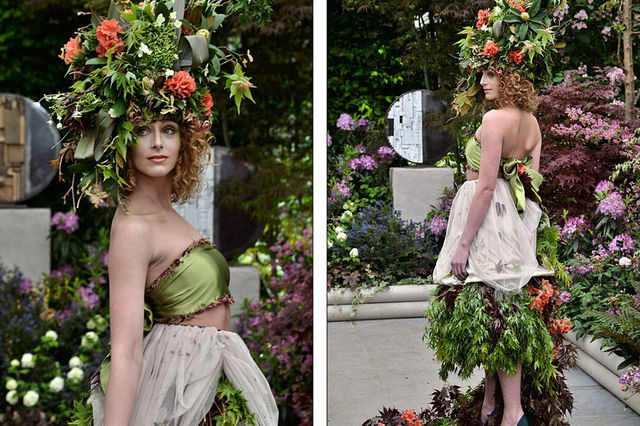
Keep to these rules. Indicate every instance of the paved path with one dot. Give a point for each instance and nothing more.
(378, 363)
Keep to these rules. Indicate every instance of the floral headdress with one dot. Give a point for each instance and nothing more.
(136, 63)
(514, 36)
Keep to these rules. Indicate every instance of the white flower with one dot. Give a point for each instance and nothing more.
(329, 243)
(11, 384)
(59, 126)
(75, 362)
(15, 363)
(36, 104)
(205, 71)
(75, 374)
(56, 384)
(90, 339)
(50, 122)
(169, 73)
(27, 361)
(30, 398)
(173, 15)
(346, 215)
(341, 237)
(12, 397)
(51, 335)
(160, 20)
(112, 113)
(353, 253)
(76, 114)
(144, 50)
(339, 229)
(91, 325)
(177, 24)
(624, 261)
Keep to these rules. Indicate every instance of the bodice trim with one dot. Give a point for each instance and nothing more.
(178, 319)
(176, 263)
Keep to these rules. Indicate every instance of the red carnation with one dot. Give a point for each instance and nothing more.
(483, 17)
(182, 84)
(70, 49)
(516, 56)
(107, 35)
(208, 103)
(490, 49)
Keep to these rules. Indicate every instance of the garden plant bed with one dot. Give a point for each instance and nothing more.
(401, 301)
(602, 367)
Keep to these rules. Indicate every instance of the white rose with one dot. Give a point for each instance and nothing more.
(51, 335)
(624, 261)
(75, 374)
(12, 397)
(30, 398)
(353, 252)
(341, 236)
(75, 362)
(346, 215)
(11, 384)
(15, 363)
(339, 229)
(27, 361)
(56, 384)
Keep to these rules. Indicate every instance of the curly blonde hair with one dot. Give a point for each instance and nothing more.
(194, 155)
(516, 91)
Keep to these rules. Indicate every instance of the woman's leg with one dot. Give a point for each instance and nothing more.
(489, 402)
(510, 386)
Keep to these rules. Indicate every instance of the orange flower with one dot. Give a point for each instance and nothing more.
(107, 35)
(483, 17)
(491, 49)
(208, 103)
(516, 56)
(182, 84)
(517, 4)
(71, 49)
(522, 169)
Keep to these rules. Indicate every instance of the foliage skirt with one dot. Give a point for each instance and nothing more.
(469, 328)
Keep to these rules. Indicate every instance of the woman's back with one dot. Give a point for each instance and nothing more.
(519, 132)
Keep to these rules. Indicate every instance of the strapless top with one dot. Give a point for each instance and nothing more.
(523, 180)
(198, 280)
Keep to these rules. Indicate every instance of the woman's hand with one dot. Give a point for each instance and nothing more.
(459, 263)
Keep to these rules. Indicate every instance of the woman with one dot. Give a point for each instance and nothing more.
(137, 122)
(481, 315)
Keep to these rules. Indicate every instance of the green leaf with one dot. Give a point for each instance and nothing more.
(97, 61)
(535, 7)
(522, 30)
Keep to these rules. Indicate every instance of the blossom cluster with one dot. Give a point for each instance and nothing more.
(66, 222)
(630, 379)
(542, 295)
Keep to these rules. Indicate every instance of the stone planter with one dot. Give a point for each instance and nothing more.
(403, 301)
(602, 367)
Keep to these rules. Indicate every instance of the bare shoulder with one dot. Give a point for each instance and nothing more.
(498, 117)
(129, 229)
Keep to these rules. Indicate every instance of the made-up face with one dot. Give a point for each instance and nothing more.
(159, 149)
(490, 83)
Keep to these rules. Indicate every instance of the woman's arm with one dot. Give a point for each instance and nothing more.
(492, 137)
(129, 256)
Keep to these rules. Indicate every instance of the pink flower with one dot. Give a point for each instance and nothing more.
(490, 49)
(208, 104)
(182, 84)
(71, 49)
(483, 17)
(107, 35)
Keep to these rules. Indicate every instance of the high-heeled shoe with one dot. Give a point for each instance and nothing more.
(493, 413)
(524, 421)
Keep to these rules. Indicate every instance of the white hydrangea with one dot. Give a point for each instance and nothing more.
(341, 236)
(51, 335)
(12, 397)
(75, 362)
(346, 215)
(339, 229)
(30, 398)
(12, 384)
(15, 363)
(56, 384)
(353, 253)
(90, 339)
(27, 361)
(75, 374)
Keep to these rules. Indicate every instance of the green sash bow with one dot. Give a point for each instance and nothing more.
(510, 172)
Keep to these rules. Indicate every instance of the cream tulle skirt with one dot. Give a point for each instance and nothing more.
(180, 373)
(503, 253)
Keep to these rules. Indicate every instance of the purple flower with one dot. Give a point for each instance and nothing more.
(329, 140)
(367, 162)
(104, 258)
(628, 246)
(573, 224)
(89, 296)
(341, 188)
(360, 148)
(363, 123)
(25, 286)
(565, 297)
(604, 186)
(345, 122)
(354, 163)
(438, 225)
(612, 205)
(386, 154)
(67, 222)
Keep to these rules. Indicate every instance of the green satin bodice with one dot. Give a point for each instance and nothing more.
(514, 171)
(196, 281)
